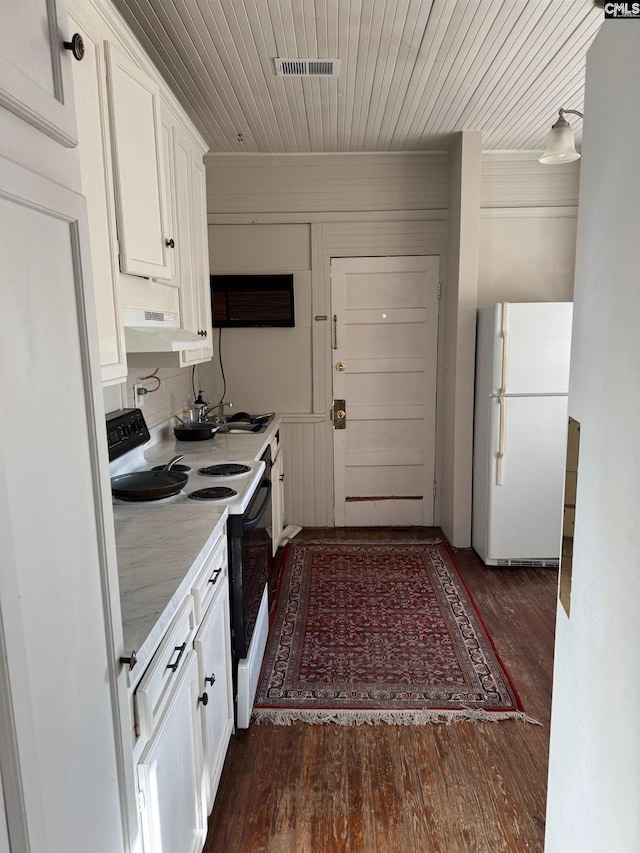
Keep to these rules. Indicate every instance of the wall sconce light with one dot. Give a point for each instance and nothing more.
(561, 146)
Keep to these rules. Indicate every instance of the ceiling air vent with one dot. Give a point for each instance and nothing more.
(307, 67)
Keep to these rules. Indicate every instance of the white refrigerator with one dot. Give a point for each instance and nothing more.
(520, 432)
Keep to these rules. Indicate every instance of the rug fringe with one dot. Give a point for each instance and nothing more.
(280, 717)
(433, 540)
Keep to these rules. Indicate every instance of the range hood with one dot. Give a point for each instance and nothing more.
(157, 331)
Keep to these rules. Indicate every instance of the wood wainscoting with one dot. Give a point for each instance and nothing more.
(407, 789)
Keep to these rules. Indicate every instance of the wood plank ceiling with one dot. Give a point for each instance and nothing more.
(412, 71)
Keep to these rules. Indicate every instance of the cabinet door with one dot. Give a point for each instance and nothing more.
(170, 185)
(277, 501)
(57, 704)
(213, 646)
(196, 300)
(134, 111)
(35, 69)
(97, 186)
(201, 290)
(184, 225)
(170, 773)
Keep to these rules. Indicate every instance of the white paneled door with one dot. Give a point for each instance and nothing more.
(384, 360)
(60, 765)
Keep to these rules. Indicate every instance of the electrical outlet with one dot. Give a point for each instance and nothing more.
(139, 392)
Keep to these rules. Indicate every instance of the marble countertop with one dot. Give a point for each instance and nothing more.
(162, 547)
(223, 447)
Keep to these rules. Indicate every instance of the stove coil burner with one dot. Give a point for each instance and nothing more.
(216, 493)
(226, 469)
(176, 467)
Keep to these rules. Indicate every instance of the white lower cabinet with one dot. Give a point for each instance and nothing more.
(170, 772)
(213, 647)
(184, 715)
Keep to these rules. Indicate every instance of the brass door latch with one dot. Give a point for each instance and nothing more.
(339, 414)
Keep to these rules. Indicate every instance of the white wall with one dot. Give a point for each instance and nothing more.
(459, 334)
(526, 258)
(349, 205)
(266, 369)
(383, 204)
(594, 767)
(527, 229)
(323, 185)
(162, 401)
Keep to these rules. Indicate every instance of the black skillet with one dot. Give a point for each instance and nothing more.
(149, 485)
(195, 432)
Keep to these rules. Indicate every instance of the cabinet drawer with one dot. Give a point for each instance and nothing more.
(211, 578)
(156, 686)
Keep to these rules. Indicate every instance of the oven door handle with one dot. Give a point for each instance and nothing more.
(250, 523)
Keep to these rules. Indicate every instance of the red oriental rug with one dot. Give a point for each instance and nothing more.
(365, 632)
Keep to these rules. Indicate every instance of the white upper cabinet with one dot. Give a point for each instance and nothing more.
(201, 298)
(35, 67)
(186, 188)
(170, 186)
(134, 112)
(96, 176)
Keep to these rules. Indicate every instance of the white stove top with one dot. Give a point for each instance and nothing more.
(242, 485)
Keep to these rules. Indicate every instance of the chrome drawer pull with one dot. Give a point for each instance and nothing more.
(181, 650)
(214, 576)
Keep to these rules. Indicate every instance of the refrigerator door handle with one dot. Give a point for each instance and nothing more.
(505, 348)
(501, 438)
(503, 391)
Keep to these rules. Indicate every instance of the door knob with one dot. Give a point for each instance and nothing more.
(340, 365)
(76, 46)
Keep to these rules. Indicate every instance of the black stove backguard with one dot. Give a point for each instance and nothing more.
(126, 429)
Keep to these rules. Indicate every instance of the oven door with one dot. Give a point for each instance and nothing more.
(256, 561)
(249, 566)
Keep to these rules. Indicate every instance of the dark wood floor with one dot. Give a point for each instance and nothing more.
(406, 789)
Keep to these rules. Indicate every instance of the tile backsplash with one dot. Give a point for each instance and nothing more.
(161, 402)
